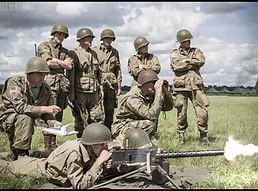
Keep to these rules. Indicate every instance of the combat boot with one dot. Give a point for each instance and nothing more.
(53, 142)
(47, 142)
(181, 138)
(204, 138)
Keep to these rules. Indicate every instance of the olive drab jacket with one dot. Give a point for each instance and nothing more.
(186, 66)
(150, 61)
(135, 106)
(87, 71)
(58, 79)
(18, 99)
(71, 164)
(110, 65)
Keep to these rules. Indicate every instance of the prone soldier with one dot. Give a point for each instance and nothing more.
(26, 98)
(59, 79)
(109, 61)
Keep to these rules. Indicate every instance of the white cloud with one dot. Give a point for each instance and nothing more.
(71, 9)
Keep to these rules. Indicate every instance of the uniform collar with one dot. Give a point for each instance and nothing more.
(84, 153)
(54, 43)
(105, 49)
(142, 57)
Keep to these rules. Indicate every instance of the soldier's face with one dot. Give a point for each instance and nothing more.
(59, 37)
(98, 148)
(86, 41)
(107, 41)
(143, 50)
(148, 88)
(186, 44)
(36, 78)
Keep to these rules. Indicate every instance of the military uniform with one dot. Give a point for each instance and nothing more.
(188, 83)
(58, 79)
(20, 108)
(68, 165)
(150, 61)
(137, 111)
(87, 86)
(111, 79)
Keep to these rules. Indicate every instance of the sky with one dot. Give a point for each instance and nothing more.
(225, 32)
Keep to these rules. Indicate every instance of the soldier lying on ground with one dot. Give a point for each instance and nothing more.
(26, 98)
(77, 163)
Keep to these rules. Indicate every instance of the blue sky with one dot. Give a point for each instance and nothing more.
(225, 32)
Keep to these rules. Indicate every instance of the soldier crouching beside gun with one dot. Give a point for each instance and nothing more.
(142, 105)
(26, 98)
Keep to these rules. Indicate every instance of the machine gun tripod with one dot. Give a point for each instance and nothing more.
(147, 167)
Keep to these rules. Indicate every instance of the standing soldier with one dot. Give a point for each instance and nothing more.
(142, 60)
(87, 83)
(109, 61)
(60, 63)
(26, 98)
(186, 62)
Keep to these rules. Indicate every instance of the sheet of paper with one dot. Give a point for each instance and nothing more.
(60, 131)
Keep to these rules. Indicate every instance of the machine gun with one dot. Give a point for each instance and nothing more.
(150, 162)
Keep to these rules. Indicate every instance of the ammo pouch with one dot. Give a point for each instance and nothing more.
(109, 79)
(168, 101)
(97, 113)
(179, 82)
(64, 83)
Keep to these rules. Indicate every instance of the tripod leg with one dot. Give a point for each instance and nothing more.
(164, 173)
(141, 169)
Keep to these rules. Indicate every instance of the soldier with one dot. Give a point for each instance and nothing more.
(142, 60)
(78, 163)
(109, 61)
(24, 99)
(87, 82)
(140, 107)
(186, 62)
(60, 63)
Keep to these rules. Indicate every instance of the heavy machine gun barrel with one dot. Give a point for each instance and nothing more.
(203, 153)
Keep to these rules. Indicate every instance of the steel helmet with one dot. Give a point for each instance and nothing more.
(36, 64)
(95, 133)
(135, 138)
(60, 28)
(107, 33)
(147, 76)
(183, 35)
(84, 32)
(140, 42)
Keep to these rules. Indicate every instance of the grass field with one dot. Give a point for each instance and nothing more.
(228, 115)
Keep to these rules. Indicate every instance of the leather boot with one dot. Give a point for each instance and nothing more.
(47, 142)
(182, 138)
(204, 138)
(53, 142)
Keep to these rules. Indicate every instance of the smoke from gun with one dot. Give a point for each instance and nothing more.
(234, 149)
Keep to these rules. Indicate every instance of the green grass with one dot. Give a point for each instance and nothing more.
(228, 115)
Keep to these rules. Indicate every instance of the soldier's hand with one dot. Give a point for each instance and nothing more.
(104, 156)
(108, 164)
(52, 109)
(101, 94)
(57, 124)
(158, 87)
(118, 92)
(68, 64)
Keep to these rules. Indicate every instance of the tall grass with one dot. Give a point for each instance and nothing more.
(228, 115)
